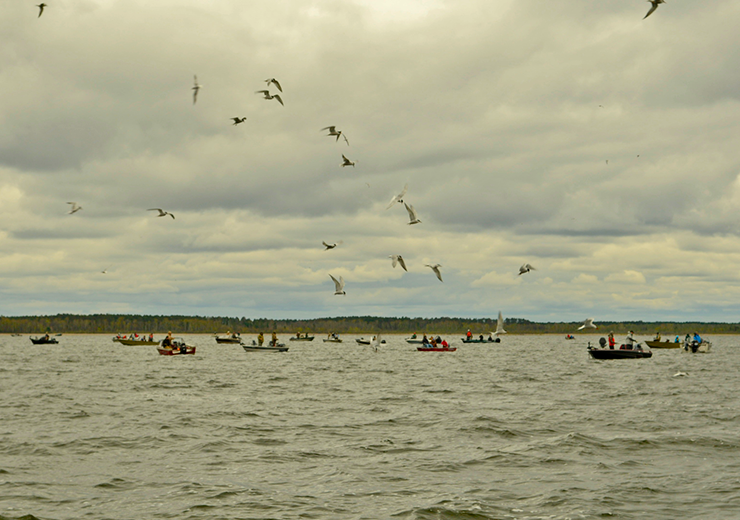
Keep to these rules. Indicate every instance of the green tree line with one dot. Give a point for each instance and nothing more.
(127, 323)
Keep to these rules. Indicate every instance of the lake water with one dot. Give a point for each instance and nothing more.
(530, 428)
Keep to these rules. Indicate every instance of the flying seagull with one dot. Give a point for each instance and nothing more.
(267, 95)
(375, 342)
(238, 120)
(398, 259)
(274, 82)
(41, 9)
(525, 269)
(347, 162)
(196, 88)
(75, 208)
(499, 325)
(588, 324)
(338, 285)
(333, 131)
(413, 219)
(655, 5)
(162, 213)
(398, 198)
(331, 246)
(435, 268)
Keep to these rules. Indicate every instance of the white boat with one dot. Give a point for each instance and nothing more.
(696, 347)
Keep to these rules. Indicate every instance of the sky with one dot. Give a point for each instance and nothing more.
(578, 137)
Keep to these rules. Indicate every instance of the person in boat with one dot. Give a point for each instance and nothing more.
(274, 340)
(433, 342)
(445, 344)
(677, 340)
(151, 336)
(611, 340)
(469, 335)
(630, 341)
(480, 338)
(413, 336)
(657, 336)
(167, 341)
(697, 338)
(260, 339)
(424, 340)
(46, 336)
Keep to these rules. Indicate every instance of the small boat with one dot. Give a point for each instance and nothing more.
(481, 339)
(178, 347)
(570, 336)
(696, 347)
(265, 348)
(663, 344)
(234, 338)
(414, 339)
(43, 340)
(132, 342)
(302, 338)
(618, 353)
(363, 341)
(332, 340)
(436, 349)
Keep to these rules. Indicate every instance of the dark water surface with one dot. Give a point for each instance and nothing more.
(531, 428)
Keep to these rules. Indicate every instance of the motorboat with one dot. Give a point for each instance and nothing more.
(481, 339)
(429, 348)
(662, 344)
(363, 341)
(131, 341)
(175, 347)
(335, 339)
(696, 347)
(229, 337)
(265, 348)
(43, 340)
(301, 338)
(619, 353)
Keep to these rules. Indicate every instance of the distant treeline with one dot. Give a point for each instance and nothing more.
(127, 323)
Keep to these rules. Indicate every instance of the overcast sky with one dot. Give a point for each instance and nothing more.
(575, 136)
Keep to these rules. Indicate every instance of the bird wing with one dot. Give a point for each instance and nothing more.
(345, 139)
(436, 271)
(394, 199)
(277, 96)
(652, 9)
(337, 284)
(410, 209)
(155, 209)
(170, 214)
(403, 191)
(330, 128)
(403, 264)
(394, 260)
(273, 80)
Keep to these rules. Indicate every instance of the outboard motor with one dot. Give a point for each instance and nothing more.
(602, 342)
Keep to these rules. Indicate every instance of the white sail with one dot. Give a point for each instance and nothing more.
(499, 325)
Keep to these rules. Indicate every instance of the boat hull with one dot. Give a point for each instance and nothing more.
(436, 349)
(235, 341)
(44, 341)
(310, 338)
(662, 344)
(132, 342)
(258, 348)
(618, 353)
(367, 341)
(333, 341)
(489, 340)
(175, 351)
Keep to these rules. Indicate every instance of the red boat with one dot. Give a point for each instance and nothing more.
(436, 349)
(178, 347)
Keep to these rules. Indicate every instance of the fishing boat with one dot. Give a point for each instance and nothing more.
(414, 339)
(229, 337)
(265, 348)
(663, 344)
(481, 339)
(298, 337)
(177, 347)
(43, 340)
(618, 353)
(363, 341)
(333, 340)
(132, 342)
(429, 348)
(696, 347)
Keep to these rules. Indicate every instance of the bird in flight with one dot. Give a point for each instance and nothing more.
(238, 120)
(655, 5)
(274, 82)
(267, 95)
(435, 268)
(588, 324)
(41, 9)
(398, 198)
(398, 259)
(338, 285)
(413, 219)
(347, 162)
(75, 208)
(162, 213)
(330, 246)
(196, 88)
(333, 131)
(526, 268)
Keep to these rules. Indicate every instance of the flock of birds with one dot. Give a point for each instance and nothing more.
(332, 131)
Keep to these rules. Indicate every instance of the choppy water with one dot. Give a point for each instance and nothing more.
(531, 428)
